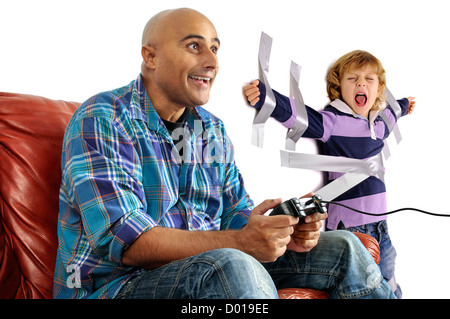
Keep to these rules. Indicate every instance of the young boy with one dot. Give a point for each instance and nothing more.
(350, 126)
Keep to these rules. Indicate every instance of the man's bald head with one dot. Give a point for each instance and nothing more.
(159, 23)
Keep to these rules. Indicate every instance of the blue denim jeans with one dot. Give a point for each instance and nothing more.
(339, 264)
(379, 231)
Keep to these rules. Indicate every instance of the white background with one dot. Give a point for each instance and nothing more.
(71, 50)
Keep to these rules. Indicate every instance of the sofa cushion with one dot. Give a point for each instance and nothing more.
(31, 135)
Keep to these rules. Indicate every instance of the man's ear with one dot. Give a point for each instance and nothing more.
(149, 56)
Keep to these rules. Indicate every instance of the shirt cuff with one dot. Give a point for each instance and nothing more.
(131, 229)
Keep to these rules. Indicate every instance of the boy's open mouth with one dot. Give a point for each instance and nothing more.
(361, 99)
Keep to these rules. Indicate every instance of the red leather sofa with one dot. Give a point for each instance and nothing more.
(31, 134)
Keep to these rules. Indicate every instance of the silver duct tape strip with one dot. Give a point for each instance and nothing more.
(340, 185)
(390, 100)
(266, 110)
(393, 103)
(258, 135)
(301, 121)
(372, 166)
(355, 170)
(386, 151)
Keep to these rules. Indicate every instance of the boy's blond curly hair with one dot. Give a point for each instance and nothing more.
(352, 60)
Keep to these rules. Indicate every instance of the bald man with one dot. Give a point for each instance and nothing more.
(152, 204)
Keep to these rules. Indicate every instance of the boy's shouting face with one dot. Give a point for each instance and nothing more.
(360, 89)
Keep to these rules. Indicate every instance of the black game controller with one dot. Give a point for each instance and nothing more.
(300, 207)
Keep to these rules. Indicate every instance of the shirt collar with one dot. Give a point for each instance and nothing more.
(142, 108)
(344, 108)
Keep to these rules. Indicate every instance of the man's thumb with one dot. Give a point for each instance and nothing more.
(262, 208)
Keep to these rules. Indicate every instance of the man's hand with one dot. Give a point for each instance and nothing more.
(307, 234)
(266, 237)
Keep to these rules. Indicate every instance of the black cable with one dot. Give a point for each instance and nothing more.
(387, 213)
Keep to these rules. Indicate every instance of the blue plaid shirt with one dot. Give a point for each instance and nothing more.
(123, 175)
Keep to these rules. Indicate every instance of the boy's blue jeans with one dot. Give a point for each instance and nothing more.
(379, 231)
(339, 264)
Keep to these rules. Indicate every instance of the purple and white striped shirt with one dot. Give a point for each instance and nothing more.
(345, 134)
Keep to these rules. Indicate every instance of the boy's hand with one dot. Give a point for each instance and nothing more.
(252, 93)
(412, 104)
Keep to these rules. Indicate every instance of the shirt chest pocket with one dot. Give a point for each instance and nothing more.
(202, 186)
(200, 179)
